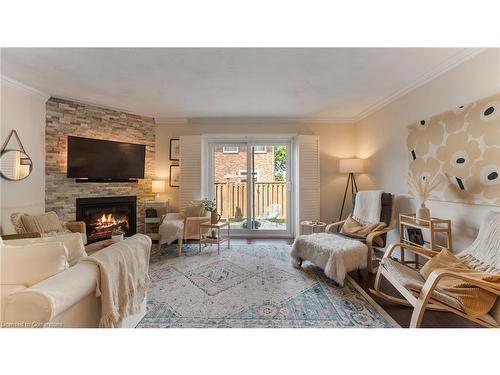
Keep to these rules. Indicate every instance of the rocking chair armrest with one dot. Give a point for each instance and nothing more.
(414, 249)
(438, 274)
(431, 284)
(329, 226)
(373, 235)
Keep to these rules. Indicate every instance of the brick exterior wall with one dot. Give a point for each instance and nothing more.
(231, 164)
(70, 118)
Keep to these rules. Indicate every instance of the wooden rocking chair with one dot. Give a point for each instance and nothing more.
(483, 255)
(387, 216)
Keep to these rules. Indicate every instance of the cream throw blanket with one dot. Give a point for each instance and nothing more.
(123, 278)
(334, 254)
(368, 205)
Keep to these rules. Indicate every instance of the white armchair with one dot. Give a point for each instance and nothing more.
(183, 225)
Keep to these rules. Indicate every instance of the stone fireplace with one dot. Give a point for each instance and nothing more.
(103, 215)
(67, 118)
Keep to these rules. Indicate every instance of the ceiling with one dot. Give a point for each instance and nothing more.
(337, 84)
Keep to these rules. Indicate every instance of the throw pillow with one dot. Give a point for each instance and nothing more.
(72, 241)
(15, 219)
(29, 264)
(47, 222)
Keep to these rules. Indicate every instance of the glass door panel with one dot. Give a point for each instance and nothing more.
(250, 185)
(269, 189)
(230, 164)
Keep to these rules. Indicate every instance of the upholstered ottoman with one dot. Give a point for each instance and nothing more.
(334, 254)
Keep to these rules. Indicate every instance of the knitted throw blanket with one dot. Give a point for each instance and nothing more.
(475, 301)
(123, 278)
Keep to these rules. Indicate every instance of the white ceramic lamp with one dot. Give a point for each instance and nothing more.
(158, 186)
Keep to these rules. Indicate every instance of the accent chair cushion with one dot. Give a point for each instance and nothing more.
(194, 210)
(72, 241)
(29, 264)
(44, 223)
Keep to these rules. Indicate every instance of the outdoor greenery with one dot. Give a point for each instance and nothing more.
(280, 163)
(277, 221)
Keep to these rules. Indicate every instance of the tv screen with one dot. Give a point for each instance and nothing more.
(97, 159)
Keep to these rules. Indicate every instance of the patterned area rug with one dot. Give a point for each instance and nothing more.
(251, 286)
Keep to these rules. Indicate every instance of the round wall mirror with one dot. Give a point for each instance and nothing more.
(15, 165)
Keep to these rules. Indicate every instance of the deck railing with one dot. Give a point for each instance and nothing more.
(269, 198)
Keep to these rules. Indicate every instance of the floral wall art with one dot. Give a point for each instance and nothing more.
(461, 148)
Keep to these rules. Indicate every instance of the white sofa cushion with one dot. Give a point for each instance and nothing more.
(72, 241)
(31, 263)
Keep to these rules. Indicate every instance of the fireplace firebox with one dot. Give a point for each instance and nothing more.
(103, 215)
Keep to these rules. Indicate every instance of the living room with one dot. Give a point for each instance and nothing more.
(271, 187)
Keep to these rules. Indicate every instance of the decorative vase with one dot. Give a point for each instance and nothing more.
(117, 238)
(423, 213)
(214, 217)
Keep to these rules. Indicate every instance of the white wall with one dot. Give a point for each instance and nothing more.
(337, 141)
(381, 137)
(23, 109)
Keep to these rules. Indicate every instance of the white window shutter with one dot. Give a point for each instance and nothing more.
(190, 165)
(308, 179)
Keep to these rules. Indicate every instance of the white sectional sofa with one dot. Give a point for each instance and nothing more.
(46, 282)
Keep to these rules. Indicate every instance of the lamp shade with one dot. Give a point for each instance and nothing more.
(158, 186)
(351, 165)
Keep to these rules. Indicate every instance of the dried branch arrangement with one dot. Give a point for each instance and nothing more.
(422, 187)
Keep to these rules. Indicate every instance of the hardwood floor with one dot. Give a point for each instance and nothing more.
(401, 314)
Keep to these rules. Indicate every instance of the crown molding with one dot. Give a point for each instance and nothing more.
(446, 66)
(27, 89)
(170, 120)
(249, 120)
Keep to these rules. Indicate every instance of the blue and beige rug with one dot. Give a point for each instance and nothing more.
(251, 286)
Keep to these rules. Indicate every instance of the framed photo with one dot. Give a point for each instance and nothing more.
(415, 236)
(175, 176)
(175, 149)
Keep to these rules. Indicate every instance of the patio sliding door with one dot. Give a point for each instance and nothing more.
(250, 184)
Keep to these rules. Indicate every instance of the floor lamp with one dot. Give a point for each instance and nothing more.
(350, 166)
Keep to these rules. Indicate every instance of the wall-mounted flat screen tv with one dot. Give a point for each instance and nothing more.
(97, 159)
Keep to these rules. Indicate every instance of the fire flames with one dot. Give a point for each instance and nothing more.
(103, 226)
(107, 220)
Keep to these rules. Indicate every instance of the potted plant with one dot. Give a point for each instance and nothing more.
(422, 189)
(211, 207)
(117, 235)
